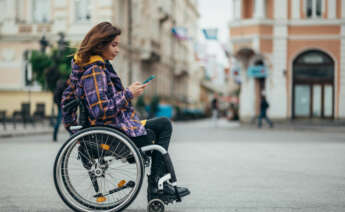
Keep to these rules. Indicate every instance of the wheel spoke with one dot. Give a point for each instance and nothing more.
(74, 181)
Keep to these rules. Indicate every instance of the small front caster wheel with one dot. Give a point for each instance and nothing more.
(155, 205)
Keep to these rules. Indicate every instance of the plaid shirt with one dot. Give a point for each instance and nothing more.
(108, 103)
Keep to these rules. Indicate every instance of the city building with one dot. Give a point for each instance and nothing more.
(292, 51)
(148, 45)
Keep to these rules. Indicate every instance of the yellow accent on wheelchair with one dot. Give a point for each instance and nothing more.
(105, 146)
(143, 122)
(121, 183)
(101, 199)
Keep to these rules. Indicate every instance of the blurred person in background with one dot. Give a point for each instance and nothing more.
(61, 84)
(215, 109)
(263, 112)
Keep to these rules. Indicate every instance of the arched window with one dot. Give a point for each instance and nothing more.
(313, 66)
(313, 85)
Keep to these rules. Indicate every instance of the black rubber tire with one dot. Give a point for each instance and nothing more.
(155, 205)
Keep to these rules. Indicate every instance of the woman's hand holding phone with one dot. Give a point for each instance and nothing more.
(137, 88)
(149, 79)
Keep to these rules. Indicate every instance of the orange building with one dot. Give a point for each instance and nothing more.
(292, 51)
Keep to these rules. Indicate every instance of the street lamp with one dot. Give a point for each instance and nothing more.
(44, 43)
(62, 44)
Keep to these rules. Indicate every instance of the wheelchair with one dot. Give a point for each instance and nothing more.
(101, 169)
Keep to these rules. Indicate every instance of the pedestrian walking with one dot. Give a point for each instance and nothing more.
(263, 112)
(60, 86)
(215, 109)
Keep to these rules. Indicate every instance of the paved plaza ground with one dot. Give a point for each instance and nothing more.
(228, 168)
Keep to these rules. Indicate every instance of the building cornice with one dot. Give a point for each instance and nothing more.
(247, 38)
(293, 22)
(19, 37)
(250, 22)
(318, 22)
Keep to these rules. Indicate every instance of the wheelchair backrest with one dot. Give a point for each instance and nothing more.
(83, 112)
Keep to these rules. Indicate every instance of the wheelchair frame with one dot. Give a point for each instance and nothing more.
(71, 199)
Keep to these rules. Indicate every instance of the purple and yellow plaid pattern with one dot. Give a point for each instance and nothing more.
(107, 101)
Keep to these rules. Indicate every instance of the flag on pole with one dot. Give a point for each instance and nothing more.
(226, 50)
(180, 33)
(211, 33)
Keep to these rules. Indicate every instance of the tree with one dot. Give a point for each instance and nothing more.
(140, 106)
(154, 106)
(40, 62)
(49, 68)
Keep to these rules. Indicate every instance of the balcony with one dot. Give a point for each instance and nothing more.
(33, 28)
(151, 52)
(181, 69)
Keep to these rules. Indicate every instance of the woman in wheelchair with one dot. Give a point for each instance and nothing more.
(97, 86)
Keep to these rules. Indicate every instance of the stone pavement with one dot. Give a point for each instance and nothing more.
(230, 168)
(40, 128)
(305, 125)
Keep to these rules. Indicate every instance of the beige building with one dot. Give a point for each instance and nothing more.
(292, 51)
(147, 44)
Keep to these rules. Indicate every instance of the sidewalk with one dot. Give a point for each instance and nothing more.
(337, 126)
(208, 123)
(37, 129)
(304, 125)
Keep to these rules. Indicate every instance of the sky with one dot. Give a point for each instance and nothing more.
(215, 14)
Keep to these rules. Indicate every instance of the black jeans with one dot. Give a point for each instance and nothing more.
(159, 130)
(57, 124)
(264, 116)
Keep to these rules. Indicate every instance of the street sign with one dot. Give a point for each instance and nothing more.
(257, 71)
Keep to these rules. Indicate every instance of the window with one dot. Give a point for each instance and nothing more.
(20, 11)
(314, 8)
(82, 10)
(40, 11)
(2, 5)
(237, 9)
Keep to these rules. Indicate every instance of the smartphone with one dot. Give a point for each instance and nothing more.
(149, 79)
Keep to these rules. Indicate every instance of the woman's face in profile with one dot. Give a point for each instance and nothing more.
(112, 50)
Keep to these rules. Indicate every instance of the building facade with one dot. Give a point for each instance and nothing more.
(293, 52)
(147, 44)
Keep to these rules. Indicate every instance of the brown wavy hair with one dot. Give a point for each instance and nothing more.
(96, 40)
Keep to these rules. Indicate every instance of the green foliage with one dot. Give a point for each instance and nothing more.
(154, 104)
(49, 68)
(40, 62)
(140, 107)
(140, 102)
(64, 70)
(236, 92)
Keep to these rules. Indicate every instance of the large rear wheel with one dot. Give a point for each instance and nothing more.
(98, 169)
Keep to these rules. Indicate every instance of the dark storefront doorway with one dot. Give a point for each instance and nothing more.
(313, 85)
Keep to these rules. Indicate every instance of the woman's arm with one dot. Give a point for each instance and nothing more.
(95, 86)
